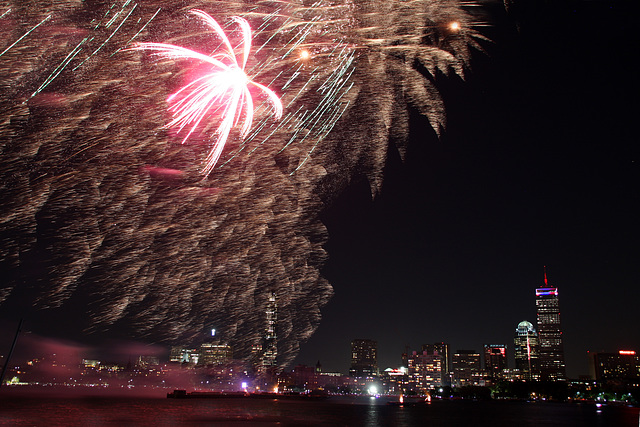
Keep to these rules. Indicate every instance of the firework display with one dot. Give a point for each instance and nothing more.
(106, 204)
(226, 87)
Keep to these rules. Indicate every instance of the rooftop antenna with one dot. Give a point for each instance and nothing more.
(546, 283)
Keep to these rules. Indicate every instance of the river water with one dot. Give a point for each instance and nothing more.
(335, 411)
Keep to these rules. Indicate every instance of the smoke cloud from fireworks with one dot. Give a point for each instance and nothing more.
(103, 208)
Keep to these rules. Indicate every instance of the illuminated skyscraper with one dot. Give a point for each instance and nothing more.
(526, 347)
(551, 361)
(364, 358)
(270, 346)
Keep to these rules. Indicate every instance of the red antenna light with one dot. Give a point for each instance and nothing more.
(546, 283)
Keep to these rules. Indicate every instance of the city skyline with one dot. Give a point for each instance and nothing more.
(546, 365)
(577, 367)
(495, 361)
(211, 367)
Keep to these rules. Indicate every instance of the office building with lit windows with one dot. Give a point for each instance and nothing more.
(526, 347)
(215, 354)
(551, 364)
(424, 371)
(466, 367)
(269, 347)
(621, 366)
(495, 359)
(441, 349)
(184, 354)
(364, 358)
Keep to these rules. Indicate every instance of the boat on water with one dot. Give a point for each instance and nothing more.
(410, 401)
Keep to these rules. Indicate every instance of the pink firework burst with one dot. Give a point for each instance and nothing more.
(224, 89)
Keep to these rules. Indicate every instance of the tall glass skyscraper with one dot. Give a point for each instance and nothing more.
(551, 361)
(526, 346)
(270, 340)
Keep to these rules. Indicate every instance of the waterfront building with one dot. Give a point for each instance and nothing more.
(443, 350)
(184, 354)
(551, 364)
(621, 366)
(424, 371)
(304, 377)
(330, 380)
(526, 347)
(495, 359)
(394, 380)
(215, 354)
(364, 358)
(466, 367)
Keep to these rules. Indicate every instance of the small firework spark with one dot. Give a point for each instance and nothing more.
(225, 88)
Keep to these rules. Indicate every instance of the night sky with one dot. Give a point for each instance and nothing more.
(538, 166)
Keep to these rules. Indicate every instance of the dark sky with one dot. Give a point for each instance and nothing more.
(538, 166)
